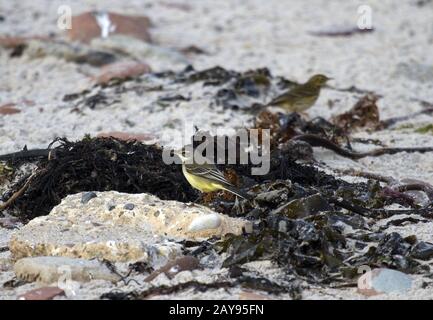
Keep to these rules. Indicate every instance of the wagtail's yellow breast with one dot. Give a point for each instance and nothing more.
(202, 184)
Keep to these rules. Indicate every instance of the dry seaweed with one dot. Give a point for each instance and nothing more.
(392, 121)
(318, 141)
(340, 32)
(313, 225)
(237, 90)
(165, 290)
(364, 114)
(215, 76)
(248, 282)
(300, 222)
(297, 207)
(100, 164)
(13, 283)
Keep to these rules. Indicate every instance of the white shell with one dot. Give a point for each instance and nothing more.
(209, 221)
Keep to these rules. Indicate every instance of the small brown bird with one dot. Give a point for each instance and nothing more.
(301, 97)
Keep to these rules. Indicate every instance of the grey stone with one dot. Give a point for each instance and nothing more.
(423, 250)
(48, 270)
(129, 206)
(172, 268)
(87, 196)
(301, 208)
(274, 196)
(380, 281)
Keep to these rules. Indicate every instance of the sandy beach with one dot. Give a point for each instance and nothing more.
(286, 37)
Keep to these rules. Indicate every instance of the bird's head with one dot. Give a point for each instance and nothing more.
(184, 154)
(318, 80)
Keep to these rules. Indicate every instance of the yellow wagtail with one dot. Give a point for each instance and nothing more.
(206, 177)
(301, 97)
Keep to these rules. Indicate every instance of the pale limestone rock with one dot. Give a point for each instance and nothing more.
(383, 280)
(209, 221)
(48, 270)
(90, 230)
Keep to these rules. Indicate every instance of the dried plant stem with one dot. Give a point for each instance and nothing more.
(17, 193)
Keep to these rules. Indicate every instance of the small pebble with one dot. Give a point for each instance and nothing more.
(87, 196)
(44, 293)
(129, 206)
(186, 263)
(423, 250)
(209, 221)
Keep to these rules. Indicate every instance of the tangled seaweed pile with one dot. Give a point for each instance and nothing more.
(99, 165)
(313, 225)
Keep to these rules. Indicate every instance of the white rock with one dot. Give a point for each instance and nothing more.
(210, 221)
(148, 233)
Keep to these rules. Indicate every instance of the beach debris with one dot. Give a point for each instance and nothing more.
(87, 196)
(193, 50)
(147, 233)
(43, 293)
(10, 222)
(121, 71)
(364, 114)
(172, 268)
(425, 129)
(17, 44)
(128, 136)
(96, 58)
(393, 120)
(303, 219)
(39, 47)
(90, 25)
(341, 31)
(423, 250)
(246, 282)
(47, 270)
(301, 208)
(152, 54)
(383, 281)
(125, 166)
(246, 295)
(9, 109)
(317, 141)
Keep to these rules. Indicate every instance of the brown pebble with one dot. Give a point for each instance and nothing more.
(11, 42)
(44, 293)
(186, 263)
(85, 27)
(121, 70)
(245, 295)
(8, 109)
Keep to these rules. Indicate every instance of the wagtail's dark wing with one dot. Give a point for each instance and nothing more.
(293, 95)
(207, 171)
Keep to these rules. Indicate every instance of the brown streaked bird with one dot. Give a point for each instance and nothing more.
(301, 97)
